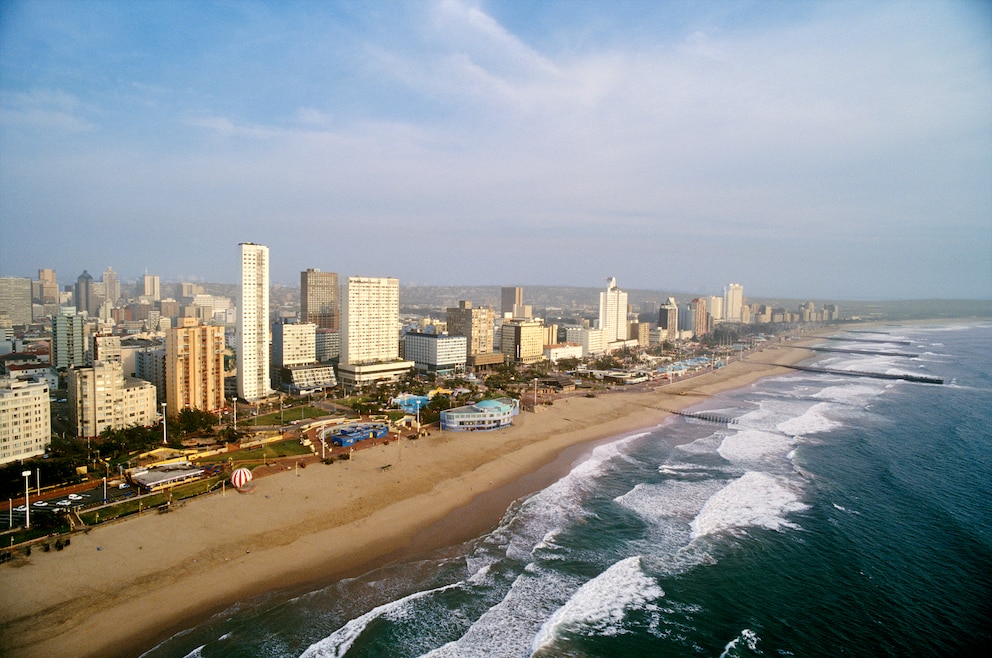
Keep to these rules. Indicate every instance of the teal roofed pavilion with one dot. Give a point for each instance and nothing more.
(482, 416)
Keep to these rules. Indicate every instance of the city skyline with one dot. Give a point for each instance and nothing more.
(822, 150)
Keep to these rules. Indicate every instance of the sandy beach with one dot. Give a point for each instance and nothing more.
(121, 588)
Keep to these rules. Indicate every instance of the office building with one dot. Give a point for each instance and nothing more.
(319, 303)
(25, 419)
(151, 287)
(477, 325)
(111, 286)
(613, 312)
(370, 332)
(701, 318)
(15, 300)
(194, 367)
(253, 323)
(293, 343)
(714, 306)
(328, 344)
(86, 297)
(593, 341)
(522, 340)
(49, 286)
(101, 397)
(510, 299)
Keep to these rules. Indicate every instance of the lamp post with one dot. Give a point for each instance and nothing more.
(164, 430)
(27, 503)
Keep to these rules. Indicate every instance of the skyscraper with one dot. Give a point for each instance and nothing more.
(668, 318)
(733, 297)
(68, 340)
(370, 331)
(510, 298)
(253, 323)
(85, 299)
(476, 324)
(111, 286)
(49, 286)
(613, 312)
(319, 299)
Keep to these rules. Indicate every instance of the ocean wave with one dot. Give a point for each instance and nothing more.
(750, 642)
(754, 500)
(599, 606)
(756, 448)
(337, 643)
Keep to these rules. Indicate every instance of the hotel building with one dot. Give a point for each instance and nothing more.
(319, 303)
(370, 330)
(613, 313)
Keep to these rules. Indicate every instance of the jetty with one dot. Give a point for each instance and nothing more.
(707, 416)
(919, 379)
(841, 350)
(868, 340)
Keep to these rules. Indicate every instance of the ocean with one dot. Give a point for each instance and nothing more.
(836, 516)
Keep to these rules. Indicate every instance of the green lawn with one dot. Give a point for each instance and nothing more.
(286, 417)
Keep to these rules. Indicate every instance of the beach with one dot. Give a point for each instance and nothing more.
(120, 588)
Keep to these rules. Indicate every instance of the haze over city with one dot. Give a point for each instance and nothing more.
(839, 150)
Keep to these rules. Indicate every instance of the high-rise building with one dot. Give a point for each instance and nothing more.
(522, 340)
(319, 299)
(439, 353)
(100, 397)
(715, 306)
(25, 419)
(613, 312)
(668, 319)
(510, 298)
(15, 299)
(476, 324)
(151, 287)
(49, 286)
(194, 367)
(149, 365)
(104, 348)
(111, 286)
(370, 332)
(86, 299)
(293, 343)
(253, 323)
(733, 297)
(68, 338)
(701, 325)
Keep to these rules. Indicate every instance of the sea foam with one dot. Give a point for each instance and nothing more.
(754, 500)
(599, 606)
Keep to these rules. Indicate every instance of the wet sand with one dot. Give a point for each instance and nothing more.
(120, 588)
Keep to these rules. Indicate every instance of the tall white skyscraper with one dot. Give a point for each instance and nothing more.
(370, 331)
(613, 312)
(253, 323)
(733, 300)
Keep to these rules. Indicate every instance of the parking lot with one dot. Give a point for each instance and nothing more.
(79, 499)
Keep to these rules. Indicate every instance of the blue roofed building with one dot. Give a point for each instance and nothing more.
(481, 416)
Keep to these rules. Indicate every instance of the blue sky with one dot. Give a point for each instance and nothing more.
(804, 149)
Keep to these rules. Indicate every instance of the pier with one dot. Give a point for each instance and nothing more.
(868, 340)
(707, 416)
(919, 379)
(865, 352)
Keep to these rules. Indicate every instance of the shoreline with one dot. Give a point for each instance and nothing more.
(135, 584)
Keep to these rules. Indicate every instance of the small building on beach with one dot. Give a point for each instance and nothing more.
(482, 416)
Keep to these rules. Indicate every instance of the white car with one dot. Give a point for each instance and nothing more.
(21, 508)
(40, 503)
(64, 503)
(75, 497)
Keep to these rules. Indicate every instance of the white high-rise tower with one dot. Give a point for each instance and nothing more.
(613, 312)
(370, 328)
(253, 322)
(733, 300)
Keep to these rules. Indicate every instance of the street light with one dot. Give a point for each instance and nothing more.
(27, 503)
(164, 431)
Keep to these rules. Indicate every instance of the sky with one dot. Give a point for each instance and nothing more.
(822, 150)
